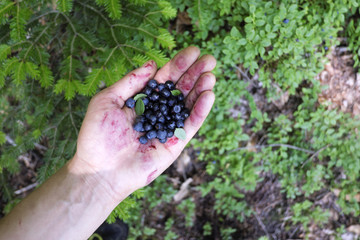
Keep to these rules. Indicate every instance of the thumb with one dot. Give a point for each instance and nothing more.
(134, 81)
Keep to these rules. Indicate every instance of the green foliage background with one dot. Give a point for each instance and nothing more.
(55, 55)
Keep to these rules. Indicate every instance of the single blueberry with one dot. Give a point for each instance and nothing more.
(152, 119)
(163, 108)
(148, 113)
(143, 140)
(150, 105)
(158, 114)
(182, 105)
(147, 127)
(166, 93)
(163, 100)
(145, 101)
(170, 133)
(322, 30)
(130, 103)
(331, 37)
(154, 96)
(297, 40)
(161, 86)
(326, 48)
(148, 91)
(151, 134)
(156, 107)
(161, 134)
(180, 124)
(170, 85)
(161, 119)
(286, 21)
(177, 116)
(139, 127)
(163, 140)
(152, 83)
(171, 125)
(141, 118)
(171, 101)
(167, 117)
(180, 97)
(185, 112)
(159, 126)
(177, 108)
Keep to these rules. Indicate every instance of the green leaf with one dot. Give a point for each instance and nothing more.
(65, 5)
(2, 138)
(46, 78)
(180, 133)
(139, 96)
(175, 92)
(5, 50)
(139, 107)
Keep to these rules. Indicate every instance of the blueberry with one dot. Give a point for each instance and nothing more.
(185, 113)
(159, 126)
(130, 103)
(167, 117)
(163, 100)
(143, 140)
(176, 108)
(150, 105)
(147, 127)
(151, 134)
(166, 93)
(180, 97)
(171, 125)
(152, 83)
(161, 119)
(170, 133)
(326, 48)
(171, 101)
(152, 119)
(145, 101)
(158, 114)
(286, 21)
(180, 124)
(297, 40)
(182, 105)
(163, 108)
(156, 107)
(170, 85)
(331, 37)
(141, 118)
(322, 30)
(161, 86)
(154, 96)
(148, 113)
(148, 91)
(139, 127)
(177, 116)
(163, 140)
(161, 134)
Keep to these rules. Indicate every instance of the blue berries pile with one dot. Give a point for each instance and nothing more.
(161, 111)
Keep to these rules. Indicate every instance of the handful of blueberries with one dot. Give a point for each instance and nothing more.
(161, 111)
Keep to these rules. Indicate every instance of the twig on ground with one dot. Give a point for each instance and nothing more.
(262, 224)
(27, 188)
(274, 145)
(315, 154)
(243, 74)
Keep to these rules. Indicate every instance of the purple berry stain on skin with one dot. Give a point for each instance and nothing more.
(151, 177)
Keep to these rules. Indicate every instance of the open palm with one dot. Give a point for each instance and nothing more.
(108, 145)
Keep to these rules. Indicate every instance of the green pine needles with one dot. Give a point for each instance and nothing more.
(54, 55)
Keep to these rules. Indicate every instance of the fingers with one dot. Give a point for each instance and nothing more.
(134, 81)
(177, 66)
(205, 64)
(206, 82)
(197, 116)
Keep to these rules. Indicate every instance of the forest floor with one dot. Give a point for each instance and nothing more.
(270, 206)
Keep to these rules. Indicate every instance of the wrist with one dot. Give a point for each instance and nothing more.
(100, 183)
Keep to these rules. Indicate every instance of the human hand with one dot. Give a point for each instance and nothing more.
(108, 147)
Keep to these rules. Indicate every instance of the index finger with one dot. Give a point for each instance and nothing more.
(178, 65)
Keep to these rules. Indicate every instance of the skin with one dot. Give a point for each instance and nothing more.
(110, 163)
